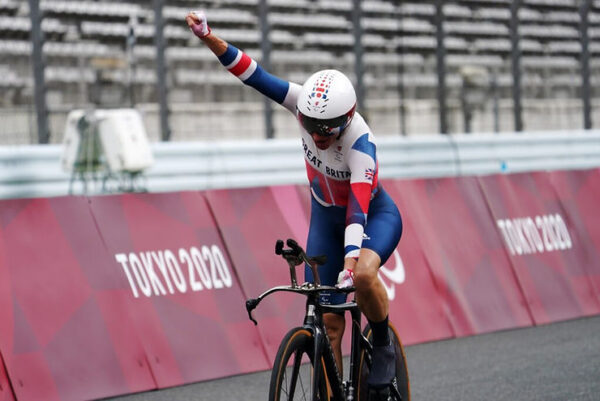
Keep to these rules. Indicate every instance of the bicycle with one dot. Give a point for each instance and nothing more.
(304, 366)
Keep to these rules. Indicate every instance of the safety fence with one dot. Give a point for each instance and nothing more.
(35, 171)
(108, 295)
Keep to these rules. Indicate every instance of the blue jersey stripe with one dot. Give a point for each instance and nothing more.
(269, 85)
(363, 145)
(229, 55)
(350, 248)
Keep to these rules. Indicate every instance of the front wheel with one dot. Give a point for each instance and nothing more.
(294, 368)
(401, 382)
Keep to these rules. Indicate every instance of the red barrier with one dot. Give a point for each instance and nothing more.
(579, 194)
(6, 393)
(251, 220)
(464, 252)
(120, 294)
(53, 335)
(183, 294)
(538, 236)
(415, 305)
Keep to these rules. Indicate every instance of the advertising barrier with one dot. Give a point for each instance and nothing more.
(118, 294)
(6, 393)
(542, 245)
(183, 293)
(111, 295)
(54, 336)
(416, 307)
(579, 194)
(464, 253)
(251, 220)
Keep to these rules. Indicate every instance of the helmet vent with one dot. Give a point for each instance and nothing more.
(320, 91)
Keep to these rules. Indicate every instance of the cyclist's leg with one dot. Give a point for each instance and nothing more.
(383, 232)
(401, 384)
(326, 237)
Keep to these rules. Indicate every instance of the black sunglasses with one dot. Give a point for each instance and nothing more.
(321, 127)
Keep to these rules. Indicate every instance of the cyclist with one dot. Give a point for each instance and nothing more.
(353, 220)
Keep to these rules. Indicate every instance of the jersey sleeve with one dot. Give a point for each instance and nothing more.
(252, 74)
(362, 162)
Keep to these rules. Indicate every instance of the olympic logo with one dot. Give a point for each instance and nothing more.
(390, 277)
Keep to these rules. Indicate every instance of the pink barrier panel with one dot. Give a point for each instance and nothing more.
(251, 220)
(579, 193)
(183, 293)
(464, 252)
(547, 256)
(415, 305)
(6, 393)
(56, 339)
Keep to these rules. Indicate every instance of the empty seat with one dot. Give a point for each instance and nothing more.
(549, 31)
(88, 8)
(456, 11)
(476, 28)
(417, 9)
(338, 5)
(15, 47)
(215, 15)
(69, 74)
(320, 21)
(552, 3)
(502, 14)
(458, 60)
(549, 62)
(571, 46)
(394, 59)
(302, 57)
(328, 39)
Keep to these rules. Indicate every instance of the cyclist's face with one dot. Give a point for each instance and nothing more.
(323, 142)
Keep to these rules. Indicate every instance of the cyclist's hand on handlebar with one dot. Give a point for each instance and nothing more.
(345, 279)
(198, 23)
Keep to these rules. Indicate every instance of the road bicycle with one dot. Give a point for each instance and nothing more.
(305, 367)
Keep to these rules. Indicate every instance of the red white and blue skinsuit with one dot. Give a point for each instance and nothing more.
(343, 181)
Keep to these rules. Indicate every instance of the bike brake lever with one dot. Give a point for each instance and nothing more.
(251, 304)
(294, 245)
(278, 247)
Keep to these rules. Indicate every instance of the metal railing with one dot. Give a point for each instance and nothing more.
(35, 171)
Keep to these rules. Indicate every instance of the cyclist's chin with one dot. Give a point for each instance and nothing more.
(323, 143)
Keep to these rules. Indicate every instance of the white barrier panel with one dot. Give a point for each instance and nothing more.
(35, 171)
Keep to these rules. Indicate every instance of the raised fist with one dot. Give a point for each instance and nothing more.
(197, 22)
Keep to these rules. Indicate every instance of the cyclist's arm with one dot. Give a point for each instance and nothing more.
(362, 162)
(250, 72)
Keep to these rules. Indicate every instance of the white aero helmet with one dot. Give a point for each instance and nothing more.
(327, 103)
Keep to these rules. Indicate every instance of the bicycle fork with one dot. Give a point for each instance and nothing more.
(323, 351)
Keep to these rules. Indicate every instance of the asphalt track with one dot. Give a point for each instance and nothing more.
(556, 362)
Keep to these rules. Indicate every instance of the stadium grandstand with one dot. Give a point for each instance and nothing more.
(103, 54)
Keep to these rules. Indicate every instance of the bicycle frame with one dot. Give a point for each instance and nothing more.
(345, 390)
(313, 321)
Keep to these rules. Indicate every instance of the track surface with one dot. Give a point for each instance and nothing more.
(558, 362)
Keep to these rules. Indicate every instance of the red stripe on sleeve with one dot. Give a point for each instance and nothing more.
(362, 194)
(241, 66)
